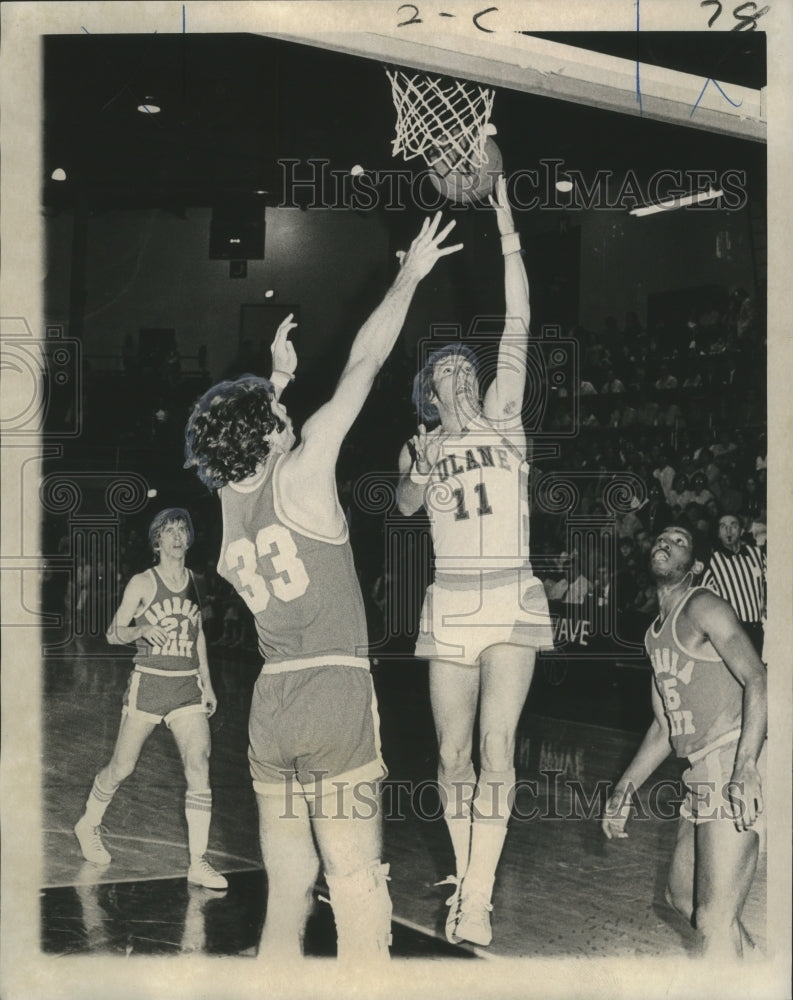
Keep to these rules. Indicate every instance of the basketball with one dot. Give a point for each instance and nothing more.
(470, 185)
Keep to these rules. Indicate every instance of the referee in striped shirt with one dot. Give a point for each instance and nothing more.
(736, 572)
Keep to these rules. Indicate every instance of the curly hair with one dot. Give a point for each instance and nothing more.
(226, 434)
(171, 515)
(424, 386)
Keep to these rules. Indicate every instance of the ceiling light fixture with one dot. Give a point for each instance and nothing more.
(669, 204)
(58, 174)
(563, 183)
(149, 106)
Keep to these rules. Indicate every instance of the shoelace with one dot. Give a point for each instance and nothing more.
(451, 880)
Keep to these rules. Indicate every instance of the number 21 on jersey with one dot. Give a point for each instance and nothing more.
(275, 542)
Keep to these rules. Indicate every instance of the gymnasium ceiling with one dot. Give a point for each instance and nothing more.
(233, 105)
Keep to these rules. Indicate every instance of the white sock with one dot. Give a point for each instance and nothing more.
(97, 803)
(492, 805)
(457, 794)
(198, 813)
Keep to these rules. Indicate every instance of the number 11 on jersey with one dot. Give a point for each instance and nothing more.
(461, 514)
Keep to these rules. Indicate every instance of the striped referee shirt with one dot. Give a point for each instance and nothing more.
(739, 577)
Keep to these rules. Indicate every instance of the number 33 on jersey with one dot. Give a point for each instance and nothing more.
(288, 578)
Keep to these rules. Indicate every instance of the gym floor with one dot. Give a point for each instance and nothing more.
(562, 889)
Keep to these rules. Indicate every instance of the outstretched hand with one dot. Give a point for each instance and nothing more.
(426, 249)
(282, 349)
(502, 207)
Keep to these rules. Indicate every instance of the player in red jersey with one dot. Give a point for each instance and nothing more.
(314, 743)
(709, 699)
(170, 683)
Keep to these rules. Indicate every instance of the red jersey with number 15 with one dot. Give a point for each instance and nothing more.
(301, 587)
(703, 701)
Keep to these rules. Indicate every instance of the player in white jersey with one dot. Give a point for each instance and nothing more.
(170, 683)
(485, 615)
(313, 742)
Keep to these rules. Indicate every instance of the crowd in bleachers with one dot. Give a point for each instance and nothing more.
(682, 410)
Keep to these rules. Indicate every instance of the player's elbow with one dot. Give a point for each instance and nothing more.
(757, 682)
(407, 504)
(405, 508)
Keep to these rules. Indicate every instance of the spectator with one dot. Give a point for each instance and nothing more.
(699, 488)
(723, 444)
(612, 385)
(664, 473)
(679, 495)
(704, 460)
(573, 587)
(665, 380)
(694, 378)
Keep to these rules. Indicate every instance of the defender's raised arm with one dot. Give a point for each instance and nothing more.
(324, 432)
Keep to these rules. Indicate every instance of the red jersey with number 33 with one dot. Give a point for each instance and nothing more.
(301, 587)
(702, 699)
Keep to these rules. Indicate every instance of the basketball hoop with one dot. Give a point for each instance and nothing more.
(447, 122)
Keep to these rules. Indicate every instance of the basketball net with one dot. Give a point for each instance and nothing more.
(445, 121)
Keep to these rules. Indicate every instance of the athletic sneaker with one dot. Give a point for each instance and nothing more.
(90, 840)
(202, 873)
(453, 902)
(474, 921)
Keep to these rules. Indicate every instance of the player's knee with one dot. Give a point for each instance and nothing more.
(454, 761)
(497, 750)
(119, 770)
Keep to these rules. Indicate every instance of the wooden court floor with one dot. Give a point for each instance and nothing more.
(562, 889)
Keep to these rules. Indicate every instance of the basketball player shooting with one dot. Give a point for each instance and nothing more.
(486, 614)
(314, 743)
